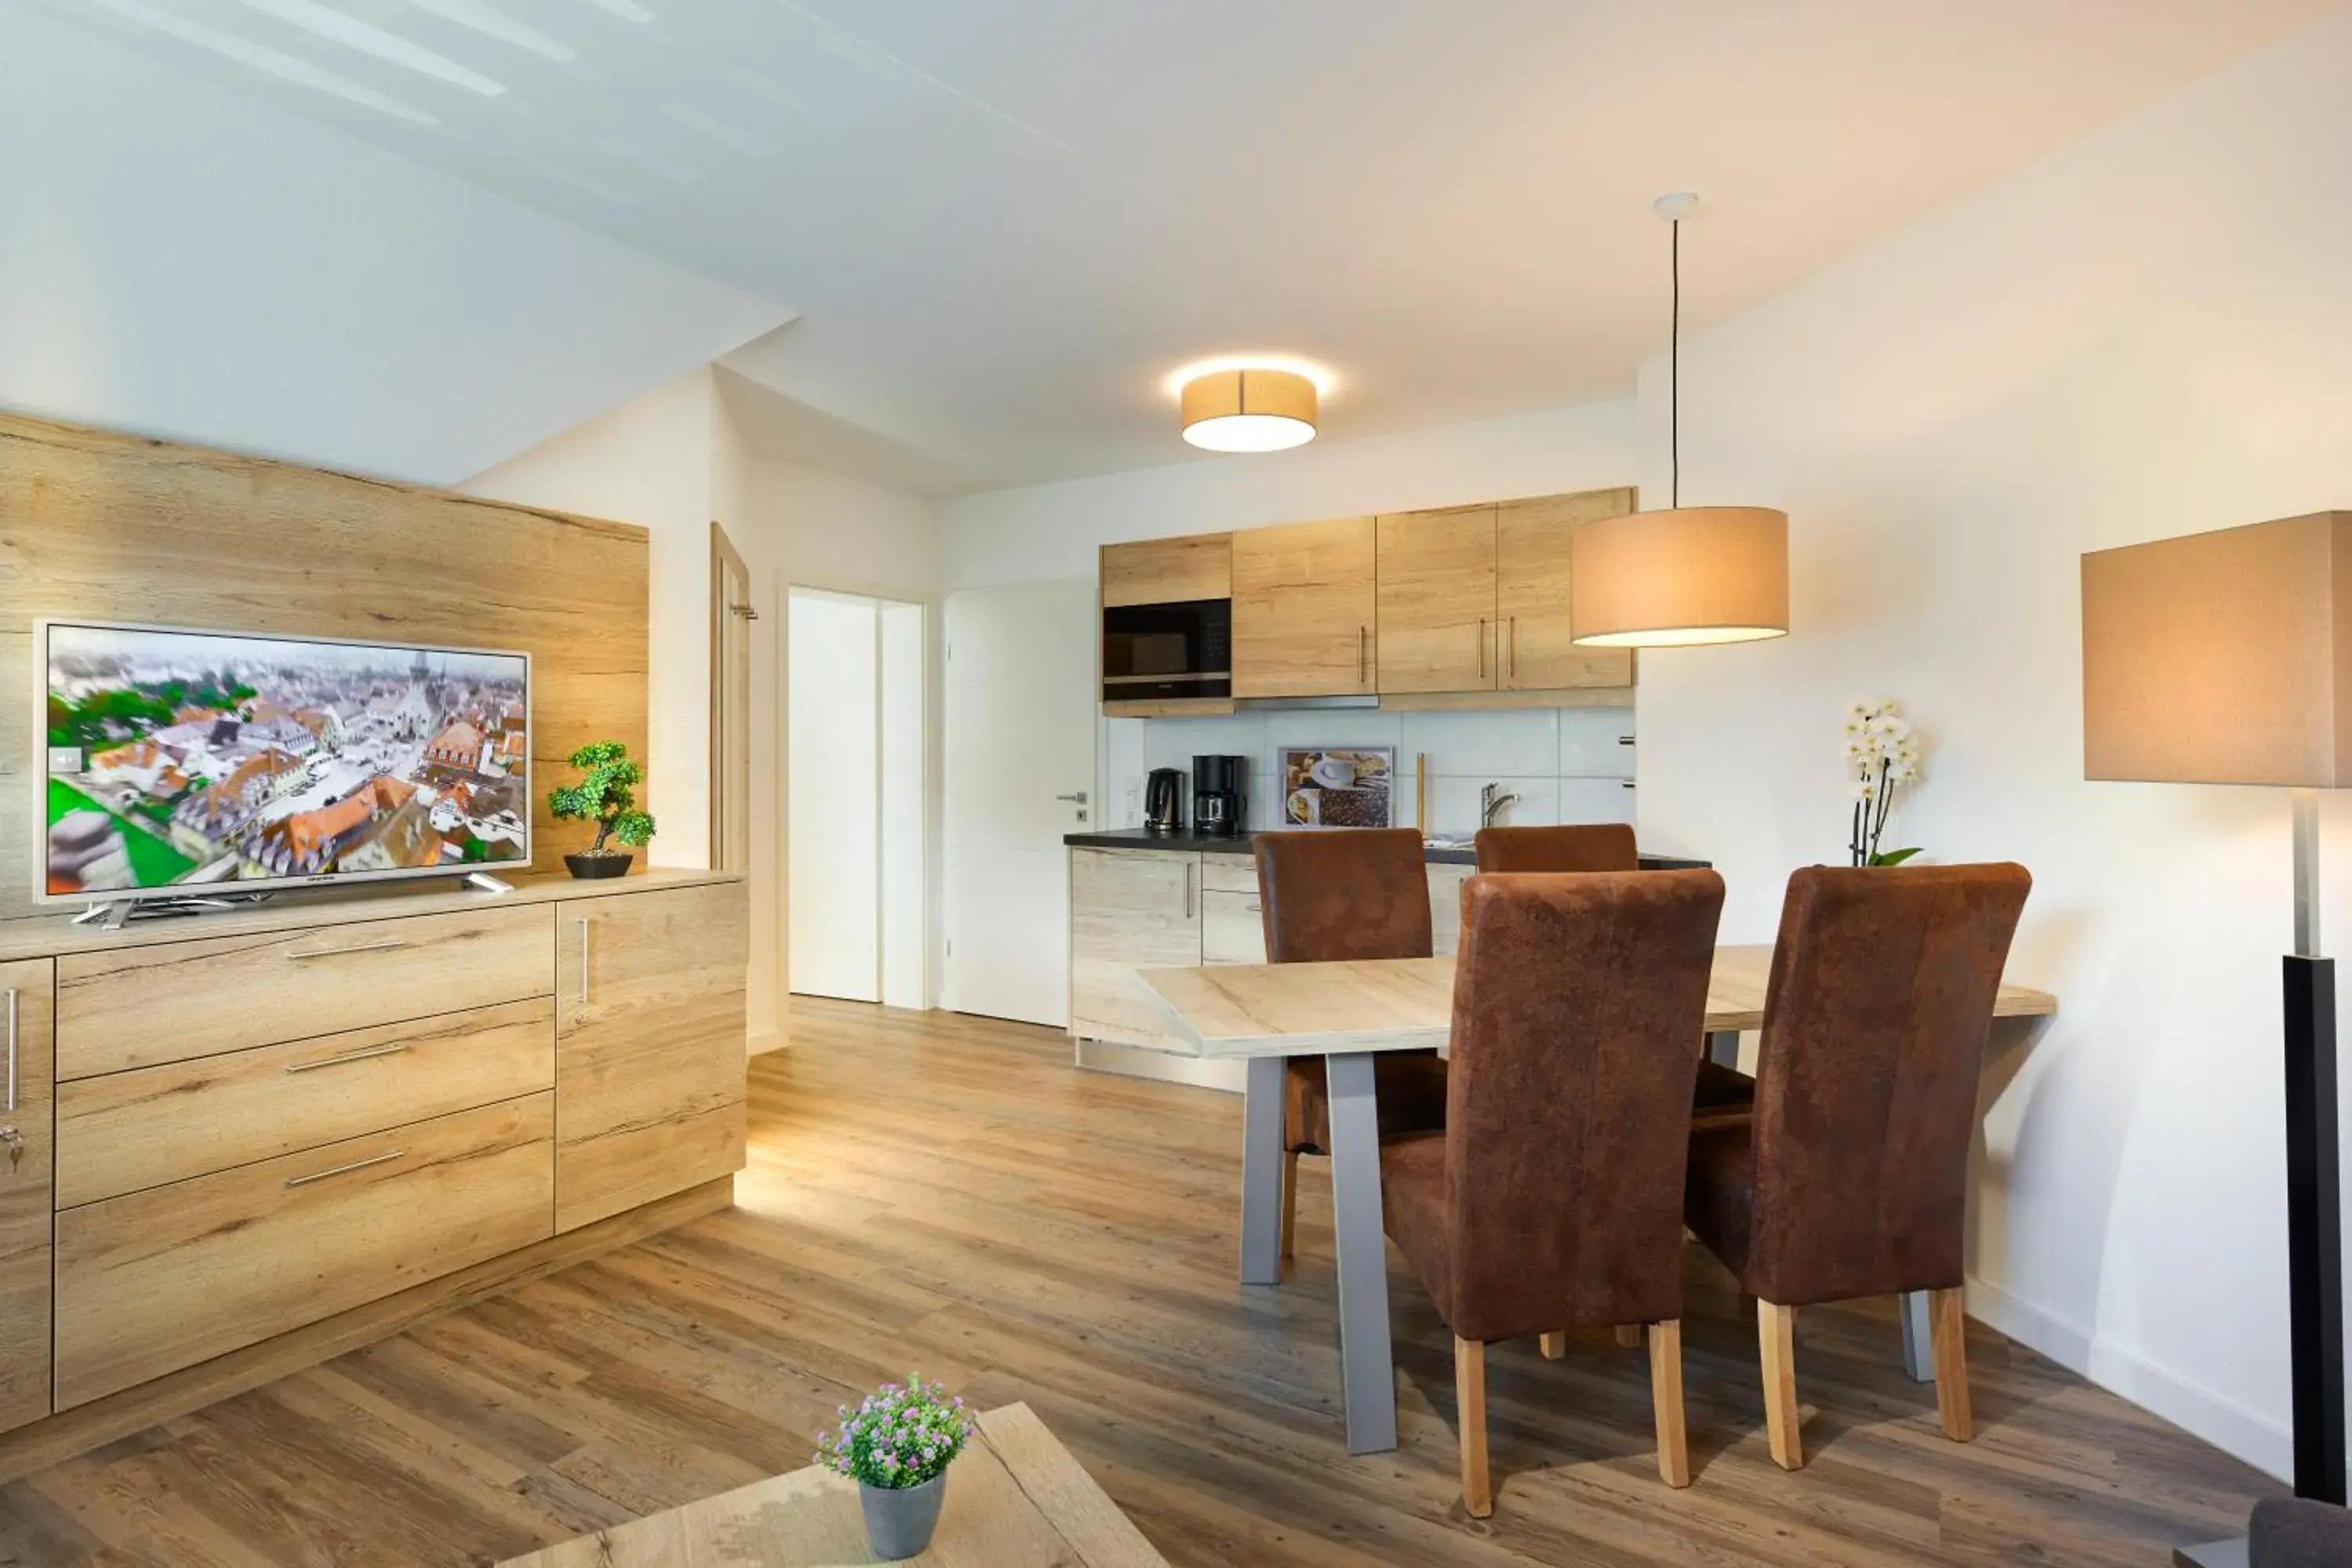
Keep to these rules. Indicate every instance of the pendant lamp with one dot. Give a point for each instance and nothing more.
(1686, 575)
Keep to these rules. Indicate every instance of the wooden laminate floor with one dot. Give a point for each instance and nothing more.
(947, 1195)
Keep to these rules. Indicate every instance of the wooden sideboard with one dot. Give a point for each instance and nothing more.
(1461, 607)
(252, 1140)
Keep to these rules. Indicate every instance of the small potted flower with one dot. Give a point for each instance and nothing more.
(897, 1445)
(1881, 754)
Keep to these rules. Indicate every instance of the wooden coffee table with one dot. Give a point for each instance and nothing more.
(1016, 1499)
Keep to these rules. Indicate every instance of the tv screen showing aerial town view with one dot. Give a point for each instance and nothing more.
(183, 759)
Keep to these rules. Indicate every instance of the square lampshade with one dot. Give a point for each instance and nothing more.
(2221, 657)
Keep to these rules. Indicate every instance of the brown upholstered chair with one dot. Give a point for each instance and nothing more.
(1573, 847)
(1335, 895)
(1851, 1176)
(1604, 847)
(1553, 1200)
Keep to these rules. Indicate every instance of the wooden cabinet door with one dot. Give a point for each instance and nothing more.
(1539, 650)
(1130, 909)
(1303, 609)
(649, 1046)
(1168, 571)
(25, 1189)
(1437, 600)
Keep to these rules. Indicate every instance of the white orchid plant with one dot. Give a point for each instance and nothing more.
(1883, 755)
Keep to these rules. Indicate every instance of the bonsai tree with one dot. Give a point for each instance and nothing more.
(605, 797)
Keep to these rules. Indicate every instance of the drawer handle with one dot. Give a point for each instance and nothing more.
(347, 1057)
(344, 1170)
(344, 952)
(583, 960)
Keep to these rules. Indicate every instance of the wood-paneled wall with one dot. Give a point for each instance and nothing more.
(120, 527)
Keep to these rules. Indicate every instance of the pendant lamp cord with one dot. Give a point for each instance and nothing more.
(1674, 373)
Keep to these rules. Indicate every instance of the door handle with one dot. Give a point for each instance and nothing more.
(10, 1107)
(1189, 871)
(1363, 654)
(1511, 648)
(1481, 647)
(583, 960)
(1076, 798)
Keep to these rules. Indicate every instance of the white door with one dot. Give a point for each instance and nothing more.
(1020, 747)
(832, 759)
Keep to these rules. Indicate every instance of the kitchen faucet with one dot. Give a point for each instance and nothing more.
(1491, 800)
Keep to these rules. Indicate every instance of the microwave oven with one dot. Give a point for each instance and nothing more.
(1154, 652)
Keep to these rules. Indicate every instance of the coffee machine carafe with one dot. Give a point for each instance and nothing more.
(1220, 806)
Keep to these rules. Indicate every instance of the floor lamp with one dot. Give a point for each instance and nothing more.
(2226, 657)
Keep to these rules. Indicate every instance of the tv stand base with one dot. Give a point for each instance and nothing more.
(110, 914)
(483, 883)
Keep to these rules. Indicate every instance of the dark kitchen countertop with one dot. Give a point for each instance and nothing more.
(1223, 844)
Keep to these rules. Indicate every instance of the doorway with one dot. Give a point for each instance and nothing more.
(856, 895)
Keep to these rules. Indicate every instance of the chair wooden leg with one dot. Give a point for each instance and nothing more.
(1666, 1400)
(1947, 1323)
(1289, 1199)
(1628, 1336)
(1470, 1407)
(1553, 1345)
(1776, 1334)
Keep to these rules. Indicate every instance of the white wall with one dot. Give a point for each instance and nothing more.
(183, 261)
(649, 462)
(2145, 335)
(1044, 532)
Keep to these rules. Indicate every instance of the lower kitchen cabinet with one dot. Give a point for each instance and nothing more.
(28, 1165)
(1130, 909)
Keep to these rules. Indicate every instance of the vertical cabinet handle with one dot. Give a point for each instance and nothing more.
(584, 959)
(1511, 647)
(1481, 647)
(1363, 638)
(1190, 871)
(11, 1107)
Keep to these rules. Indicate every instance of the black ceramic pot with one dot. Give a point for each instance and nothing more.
(590, 867)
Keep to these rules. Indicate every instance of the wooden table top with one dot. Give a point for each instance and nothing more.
(1407, 1004)
(1016, 1499)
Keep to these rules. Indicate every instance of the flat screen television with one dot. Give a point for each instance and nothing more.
(184, 762)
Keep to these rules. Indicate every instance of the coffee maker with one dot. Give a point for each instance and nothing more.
(1220, 806)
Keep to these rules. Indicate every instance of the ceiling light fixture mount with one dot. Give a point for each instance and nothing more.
(1249, 409)
(1686, 575)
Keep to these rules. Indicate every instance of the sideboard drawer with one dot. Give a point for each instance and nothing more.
(140, 1006)
(128, 1130)
(157, 1280)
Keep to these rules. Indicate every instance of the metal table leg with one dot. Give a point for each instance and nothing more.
(1368, 1367)
(1918, 1348)
(1262, 1171)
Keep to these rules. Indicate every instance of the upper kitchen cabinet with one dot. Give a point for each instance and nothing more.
(1168, 571)
(1437, 600)
(1305, 602)
(1538, 648)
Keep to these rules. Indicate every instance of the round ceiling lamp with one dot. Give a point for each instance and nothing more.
(1249, 409)
(1688, 575)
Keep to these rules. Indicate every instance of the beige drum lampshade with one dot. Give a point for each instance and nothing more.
(1249, 410)
(2221, 657)
(1693, 575)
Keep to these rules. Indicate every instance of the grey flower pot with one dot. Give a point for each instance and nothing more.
(900, 1520)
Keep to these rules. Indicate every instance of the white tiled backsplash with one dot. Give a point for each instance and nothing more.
(1566, 764)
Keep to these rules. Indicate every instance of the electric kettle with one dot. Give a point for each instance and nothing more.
(1163, 801)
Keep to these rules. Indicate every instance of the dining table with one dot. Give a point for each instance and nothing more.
(1348, 1013)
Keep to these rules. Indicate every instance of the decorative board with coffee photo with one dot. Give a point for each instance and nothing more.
(1337, 787)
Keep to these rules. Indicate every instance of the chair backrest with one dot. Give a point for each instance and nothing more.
(1573, 847)
(1881, 996)
(1343, 893)
(1578, 1005)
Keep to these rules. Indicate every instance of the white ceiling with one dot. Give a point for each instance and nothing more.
(1002, 222)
